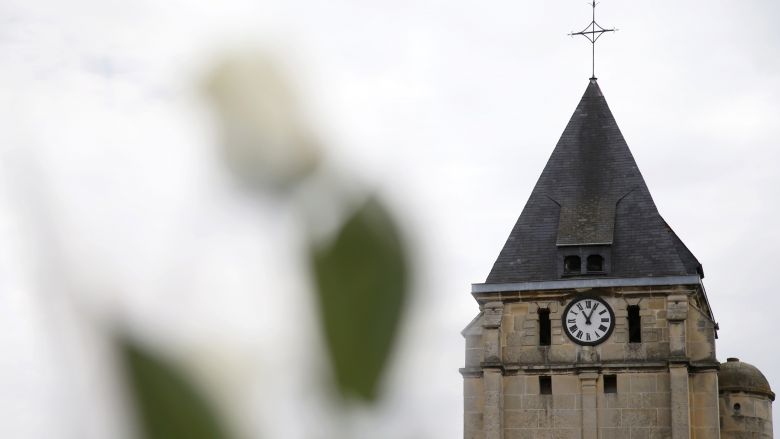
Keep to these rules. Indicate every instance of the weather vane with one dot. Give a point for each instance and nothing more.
(593, 32)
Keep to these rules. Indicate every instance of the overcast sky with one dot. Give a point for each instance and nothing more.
(112, 204)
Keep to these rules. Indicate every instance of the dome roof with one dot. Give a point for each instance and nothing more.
(737, 376)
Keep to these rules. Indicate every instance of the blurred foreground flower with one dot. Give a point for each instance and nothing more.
(168, 405)
(361, 279)
(360, 271)
(264, 142)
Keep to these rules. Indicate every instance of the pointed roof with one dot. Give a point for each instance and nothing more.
(591, 193)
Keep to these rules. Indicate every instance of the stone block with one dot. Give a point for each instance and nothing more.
(623, 382)
(515, 338)
(514, 384)
(656, 303)
(638, 417)
(624, 400)
(530, 339)
(546, 420)
(646, 313)
(705, 417)
(513, 402)
(565, 384)
(650, 335)
(566, 418)
(708, 433)
(619, 335)
(656, 400)
(657, 351)
(519, 433)
(643, 383)
(704, 382)
(518, 309)
(762, 409)
(615, 433)
(472, 404)
(661, 433)
(705, 399)
(491, 344)
(473, 357)
(565, 353)
(531, 384)
(521, 418)
(532, 354)
(565, 401)
(640, 433)
(542, 402)
(472, 421)
(677, 307)
(612, 352)
(565, 433)
(512, 354)
(636, 351)
(651, 433)
(664, 417)
(472, 386)
(609, 417)
(701, 351)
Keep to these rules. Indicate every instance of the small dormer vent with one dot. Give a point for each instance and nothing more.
(572, 264)
(595, 264)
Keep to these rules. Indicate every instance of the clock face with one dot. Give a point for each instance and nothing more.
(588, 320)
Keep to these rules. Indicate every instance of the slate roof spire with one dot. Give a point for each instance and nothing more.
(591, 199)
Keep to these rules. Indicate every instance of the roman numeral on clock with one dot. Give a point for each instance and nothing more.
(603, 328)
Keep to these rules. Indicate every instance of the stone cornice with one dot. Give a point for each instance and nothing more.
(564, 284)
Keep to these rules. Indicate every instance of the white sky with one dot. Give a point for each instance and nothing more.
(111, 203)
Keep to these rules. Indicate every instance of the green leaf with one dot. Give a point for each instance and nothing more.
(361, 279)
(167, 404)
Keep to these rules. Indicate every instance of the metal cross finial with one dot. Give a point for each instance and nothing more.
(593, 32)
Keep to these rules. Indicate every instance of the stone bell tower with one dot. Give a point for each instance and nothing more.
(594, 322)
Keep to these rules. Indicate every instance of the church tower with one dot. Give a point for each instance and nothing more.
(594, 322)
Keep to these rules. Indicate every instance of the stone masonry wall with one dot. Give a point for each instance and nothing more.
(473, 406)
(528, 414)
(639, 409)
(521, 336)
(704, 405)
(648, 403)
(745, 416)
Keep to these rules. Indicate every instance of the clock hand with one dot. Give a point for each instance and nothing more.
(587, 318)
